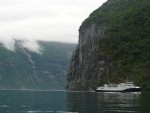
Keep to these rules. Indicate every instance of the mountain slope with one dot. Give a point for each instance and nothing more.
(113, 46)
(25, 69)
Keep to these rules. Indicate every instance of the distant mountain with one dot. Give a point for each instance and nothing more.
(25, 69)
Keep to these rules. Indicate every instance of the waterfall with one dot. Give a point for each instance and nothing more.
(34, 77)
(29, 57)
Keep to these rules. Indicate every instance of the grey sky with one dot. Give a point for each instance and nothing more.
(53, 20)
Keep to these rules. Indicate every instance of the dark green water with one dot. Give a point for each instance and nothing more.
(14, 101)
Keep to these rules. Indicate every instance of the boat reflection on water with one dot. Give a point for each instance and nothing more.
(118, 102)
(98, 102)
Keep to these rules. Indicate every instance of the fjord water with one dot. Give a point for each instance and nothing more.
(26, 101)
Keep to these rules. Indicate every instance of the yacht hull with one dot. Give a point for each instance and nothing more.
(126, 90)
(132, 90)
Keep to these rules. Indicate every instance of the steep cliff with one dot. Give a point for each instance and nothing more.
(84, 70)
(113, 46)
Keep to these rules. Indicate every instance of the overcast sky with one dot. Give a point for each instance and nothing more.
(53, 20)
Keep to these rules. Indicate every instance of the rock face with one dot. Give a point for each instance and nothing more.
(113, 46)
(86, 67)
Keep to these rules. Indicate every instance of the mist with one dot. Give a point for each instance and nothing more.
(46, 20)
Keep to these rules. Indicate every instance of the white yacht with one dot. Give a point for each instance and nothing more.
(122, 87)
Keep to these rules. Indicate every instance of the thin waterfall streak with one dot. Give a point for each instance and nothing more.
(29, 57)
(34, 78)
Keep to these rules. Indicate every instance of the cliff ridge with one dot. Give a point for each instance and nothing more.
(113, 46)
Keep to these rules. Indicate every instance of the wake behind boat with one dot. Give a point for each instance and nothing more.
(122, 87)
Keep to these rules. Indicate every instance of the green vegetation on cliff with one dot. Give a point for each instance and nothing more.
(126, 40)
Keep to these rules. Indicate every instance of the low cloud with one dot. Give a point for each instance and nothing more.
(8, 43)
(32, 46)
(48, 20)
